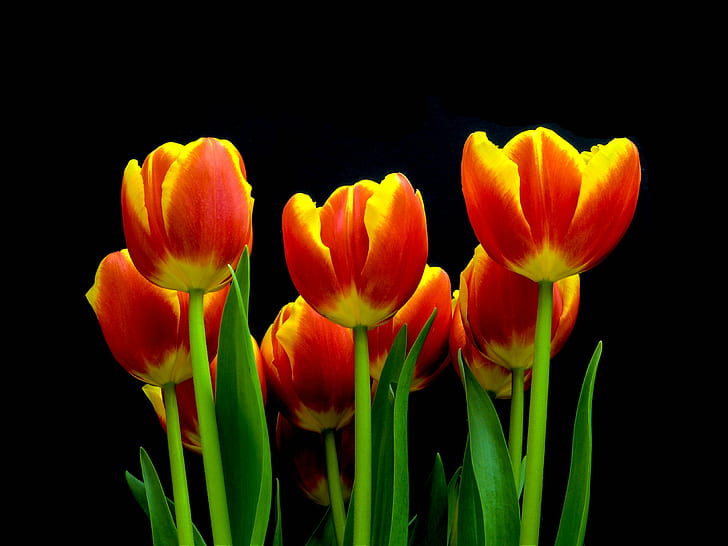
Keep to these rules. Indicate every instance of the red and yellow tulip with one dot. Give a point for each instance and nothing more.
(309, 364)
(498, 310)
(145, 326)
(187, 214)
(544, 210)
(494, 378)
(359, 257)
(433, 292)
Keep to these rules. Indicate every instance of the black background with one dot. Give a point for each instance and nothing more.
(297, 136)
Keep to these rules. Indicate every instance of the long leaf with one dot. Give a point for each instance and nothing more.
(572, 526)
(491, 467)
(431, 525)
(138, 490)
(164, 530)
(400, 490)
(383, 441)
(241, 419)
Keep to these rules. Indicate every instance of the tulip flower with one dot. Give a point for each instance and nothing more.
(544, 210)
(189, 422)
(309, 364)
(357, 260)
(498, 311)
(495, 379)
(187, 214)
(304, 453)
(432, 293)
(359, 257)
(145, 326)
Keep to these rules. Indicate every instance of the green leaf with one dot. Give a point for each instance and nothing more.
(469, 523)
(453, 491)
(138, 490)
(572, 526)
(431, 524)
(390, 468)
(278, 533)
(492, 494)
(164, 530)
(241, 419)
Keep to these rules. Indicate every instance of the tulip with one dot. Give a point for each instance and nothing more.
(145, 326)
(544, 210)
(495, 379)
(303, 452)
(360, 257)
(432, 293)
(498, 311)
(187, 214)
(309, 367)
(357, 260)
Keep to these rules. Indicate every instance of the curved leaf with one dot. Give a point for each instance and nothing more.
(492, 493)
(241, 419)
(572, 526)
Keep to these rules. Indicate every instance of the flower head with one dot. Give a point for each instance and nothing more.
(498, 311)
(359, 257)
(544, 210)
(187, 214)
(145, 326)
(309, 365)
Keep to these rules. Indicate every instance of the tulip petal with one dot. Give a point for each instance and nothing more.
(342, 218)
(607, 202)
(140, 322)
(204, 196)
(549, 169)
(309, 260)
(397, 228)
(490, 184)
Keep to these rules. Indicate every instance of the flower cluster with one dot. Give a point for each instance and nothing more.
(373, 322)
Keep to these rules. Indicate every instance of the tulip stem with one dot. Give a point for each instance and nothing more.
(515, 428)
(211, 455)
(333, 476)
(536, 444)
(182, 512)
(362, 494)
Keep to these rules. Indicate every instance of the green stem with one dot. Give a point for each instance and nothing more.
(362, 495)
(536, 445)
(515, 428)
(333, 476)
(182, 512)
(211, 457)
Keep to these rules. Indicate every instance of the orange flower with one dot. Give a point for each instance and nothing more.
(309, 364)
(360, 257)
(189, 421)
(498, 310)
(494, 378)
(146, 327)
(187, 214)
(432, 292)
(303, 453)
(542, 209)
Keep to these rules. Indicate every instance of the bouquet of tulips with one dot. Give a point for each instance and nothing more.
(372, 323)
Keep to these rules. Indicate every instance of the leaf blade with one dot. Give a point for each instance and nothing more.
(491, 466)
(572, 526)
